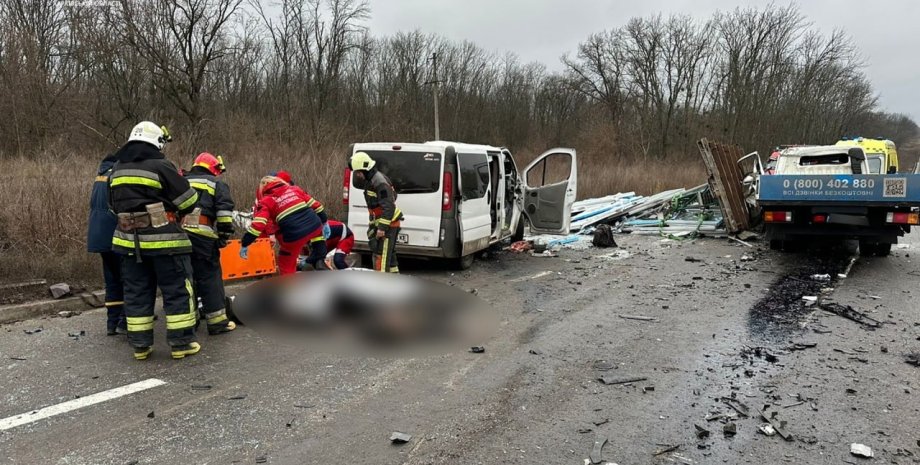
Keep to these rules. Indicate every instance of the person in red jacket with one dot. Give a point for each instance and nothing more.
(298, 224)
(316, 205)
(340, 241)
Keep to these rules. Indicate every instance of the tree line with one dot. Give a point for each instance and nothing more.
(308, 74)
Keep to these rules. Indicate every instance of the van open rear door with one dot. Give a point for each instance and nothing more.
(550, 188)
(475, 217)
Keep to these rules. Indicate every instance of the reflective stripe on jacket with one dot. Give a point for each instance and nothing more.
(142, 176)
(381, 201)
(287, 208)
(215, 203)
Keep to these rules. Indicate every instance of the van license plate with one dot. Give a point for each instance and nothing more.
(402, 238)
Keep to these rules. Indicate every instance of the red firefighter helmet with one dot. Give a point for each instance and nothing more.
(211, 163)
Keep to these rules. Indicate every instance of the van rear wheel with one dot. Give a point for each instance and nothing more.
(464, 262)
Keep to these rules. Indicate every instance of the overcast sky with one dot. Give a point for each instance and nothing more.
(887, 32)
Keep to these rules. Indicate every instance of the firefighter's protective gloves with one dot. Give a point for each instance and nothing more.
(326, 231)
(244, 253)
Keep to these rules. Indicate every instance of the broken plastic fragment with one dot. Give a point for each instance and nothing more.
(400, 438)
(861, 450)
(767, 430)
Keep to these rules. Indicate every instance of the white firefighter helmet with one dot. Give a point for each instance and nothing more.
(148, 132)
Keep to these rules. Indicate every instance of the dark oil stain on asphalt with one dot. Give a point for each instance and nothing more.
(780, 312)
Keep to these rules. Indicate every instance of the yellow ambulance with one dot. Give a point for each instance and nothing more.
(881, 154)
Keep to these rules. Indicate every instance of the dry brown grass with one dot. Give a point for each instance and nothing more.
(46, 196)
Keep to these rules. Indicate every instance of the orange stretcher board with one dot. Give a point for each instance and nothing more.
(261, 260)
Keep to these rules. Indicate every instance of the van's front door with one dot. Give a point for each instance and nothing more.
(550, 184)
(474, 215)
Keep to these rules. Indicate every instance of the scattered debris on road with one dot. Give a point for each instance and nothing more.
(521, 246)
(913, 359)
(477, 349)
(729, 429)
(32, 331)
(861, 450)
(597, 452)
(603, 237)
(638, 317)
(77, 335)
(778, 426)
(666, 449)
(737, 406)
(701, 433)
(801, 346)
(201, 387)
(400, 438)
(767, 430)
(151, 414)
(849, 313)
(611, 381)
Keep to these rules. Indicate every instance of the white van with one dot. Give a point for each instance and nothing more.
(457, 199)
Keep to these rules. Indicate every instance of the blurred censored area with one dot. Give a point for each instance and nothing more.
(363, 311)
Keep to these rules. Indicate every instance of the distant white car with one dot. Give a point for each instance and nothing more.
(457, 199)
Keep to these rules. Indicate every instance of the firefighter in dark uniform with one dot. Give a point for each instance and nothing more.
(384, 215)
(102, 224)
(210, 225)
(149, 196)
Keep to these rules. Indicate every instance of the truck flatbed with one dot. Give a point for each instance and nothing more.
(886, 190)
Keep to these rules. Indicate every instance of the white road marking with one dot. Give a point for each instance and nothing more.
(71, 405)
(527, 278)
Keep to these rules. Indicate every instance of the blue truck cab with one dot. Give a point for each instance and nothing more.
(832, 192)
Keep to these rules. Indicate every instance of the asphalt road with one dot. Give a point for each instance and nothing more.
(724, 328)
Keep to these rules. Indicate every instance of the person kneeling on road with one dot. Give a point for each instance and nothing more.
(340, 242)
(148, 196)
(298, 224)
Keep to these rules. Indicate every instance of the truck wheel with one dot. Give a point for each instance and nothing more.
(519, 231)
(883, 250)
(464, 262)
(868, 249)
(776, 245)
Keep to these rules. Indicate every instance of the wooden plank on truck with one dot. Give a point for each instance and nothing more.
(725, 178)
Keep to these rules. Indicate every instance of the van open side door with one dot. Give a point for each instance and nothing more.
(550, 184)
(475, 217)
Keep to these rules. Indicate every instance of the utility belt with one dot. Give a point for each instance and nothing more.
(195, 219)
(156, 216)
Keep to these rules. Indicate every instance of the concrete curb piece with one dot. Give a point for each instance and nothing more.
(30, 310)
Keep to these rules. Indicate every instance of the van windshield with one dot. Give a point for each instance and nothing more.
(410, 172)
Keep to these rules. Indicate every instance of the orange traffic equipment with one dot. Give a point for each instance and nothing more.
(261, 260)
